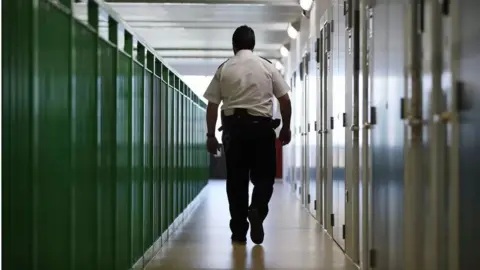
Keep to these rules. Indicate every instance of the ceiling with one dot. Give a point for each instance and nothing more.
(194, 36)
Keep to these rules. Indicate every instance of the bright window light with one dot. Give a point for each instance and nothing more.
(292, 32)
(306, 4)
(278, 65)
(284, 51)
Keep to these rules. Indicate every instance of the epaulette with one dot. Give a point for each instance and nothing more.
(266, 60)
(223, 64)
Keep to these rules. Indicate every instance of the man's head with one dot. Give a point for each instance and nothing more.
(243, 39)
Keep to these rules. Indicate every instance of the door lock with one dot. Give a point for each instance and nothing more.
(414, 122)
(367, 125)
(354, 128)
(444, 117)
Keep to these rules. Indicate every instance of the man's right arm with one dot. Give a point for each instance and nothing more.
(280, 90)
(285, 110)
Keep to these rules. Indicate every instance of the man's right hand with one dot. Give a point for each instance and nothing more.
(212, 145)
(285, 136)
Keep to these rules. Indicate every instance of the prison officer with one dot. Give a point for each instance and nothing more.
(247, 84)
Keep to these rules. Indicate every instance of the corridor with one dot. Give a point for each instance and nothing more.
(293, 240)
(104, 135)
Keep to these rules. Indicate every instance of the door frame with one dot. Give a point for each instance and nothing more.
(352, 156)
(319, 128)
(306, 126)
(327, 128)
(366, 22)
(454, 153)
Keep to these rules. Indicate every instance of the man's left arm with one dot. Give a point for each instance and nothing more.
(213, 95)
(212, 116)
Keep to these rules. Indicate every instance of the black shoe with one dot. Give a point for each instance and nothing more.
(256, 227)
(239, 241)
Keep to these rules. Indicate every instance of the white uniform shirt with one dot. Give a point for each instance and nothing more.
(246, 81)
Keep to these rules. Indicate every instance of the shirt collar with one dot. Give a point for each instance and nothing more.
(244, 53)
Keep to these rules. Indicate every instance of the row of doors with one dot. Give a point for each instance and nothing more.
(317, 159)
(374, 131)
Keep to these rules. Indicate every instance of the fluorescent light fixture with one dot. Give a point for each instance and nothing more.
(284, 51)
(292, 32)
(278, 65)
(306, 4)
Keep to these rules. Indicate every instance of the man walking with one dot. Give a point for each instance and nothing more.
(247, 84)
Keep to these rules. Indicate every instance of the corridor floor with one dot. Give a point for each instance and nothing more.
(293, 239)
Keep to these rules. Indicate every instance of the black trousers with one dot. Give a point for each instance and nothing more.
(250, 155)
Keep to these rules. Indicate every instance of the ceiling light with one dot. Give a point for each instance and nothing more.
(284, 51)
(306, 4)
(292, 32)
(278, 65)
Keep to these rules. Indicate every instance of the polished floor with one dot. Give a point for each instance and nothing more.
(293, 239)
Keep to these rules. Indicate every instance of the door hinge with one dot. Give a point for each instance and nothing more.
(317, 48)
(332, 220)
(332, 120)
(327, 33)
(308, 127)
(446, 7)
(307, 63)
(301, 71)
(347, 12)
(316, 125)
(344, 119)
(373, 258)
(421, 16)
(402, 108)
(343, 231)
(332, 29)
(373, 115)
(314, 204)
(308, 199)
(464, 97)
(295, 186)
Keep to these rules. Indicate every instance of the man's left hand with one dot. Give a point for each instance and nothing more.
(212, 145)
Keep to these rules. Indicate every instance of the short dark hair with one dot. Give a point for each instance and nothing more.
(243, 38)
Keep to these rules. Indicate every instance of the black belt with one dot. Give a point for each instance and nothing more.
(242, 115)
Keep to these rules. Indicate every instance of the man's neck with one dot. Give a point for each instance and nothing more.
(245, 51)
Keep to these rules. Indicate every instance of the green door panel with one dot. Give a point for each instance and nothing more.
(102, 150)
